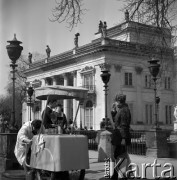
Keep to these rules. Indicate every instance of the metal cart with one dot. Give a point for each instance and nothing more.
(59, 156)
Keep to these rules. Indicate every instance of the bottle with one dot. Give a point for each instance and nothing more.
(60, 130)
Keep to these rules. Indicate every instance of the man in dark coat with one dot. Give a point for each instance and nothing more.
(121, 137)
(46, 115)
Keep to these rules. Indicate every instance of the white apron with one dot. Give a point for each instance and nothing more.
(24, 133)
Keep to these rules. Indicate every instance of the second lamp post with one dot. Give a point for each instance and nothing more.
(105, 78)
(154, 68)
(30, 93)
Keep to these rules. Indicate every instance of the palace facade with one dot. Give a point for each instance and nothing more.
(125, 50)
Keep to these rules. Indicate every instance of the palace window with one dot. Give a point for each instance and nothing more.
(88, 81)
(167, 83)
(168, 114)
(149, 113)
(128, 79)
(89, 114)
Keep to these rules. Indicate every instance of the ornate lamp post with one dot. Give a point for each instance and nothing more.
(14, 51)
(105, 136)
(154, 68)
(30, 93)
(105, 76)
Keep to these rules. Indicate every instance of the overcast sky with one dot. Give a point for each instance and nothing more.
(29, 19)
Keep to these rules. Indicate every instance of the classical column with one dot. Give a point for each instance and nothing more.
(44, 83)
(66, 101)
(75, 104)
(54, 80)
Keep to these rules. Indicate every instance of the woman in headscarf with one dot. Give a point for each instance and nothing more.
(61, 118)
(121, 137)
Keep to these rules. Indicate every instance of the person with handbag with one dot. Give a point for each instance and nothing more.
(121, 137)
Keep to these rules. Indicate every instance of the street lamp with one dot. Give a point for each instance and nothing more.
(14, 51)
(105, 76)
(154, 68)
(30, 93)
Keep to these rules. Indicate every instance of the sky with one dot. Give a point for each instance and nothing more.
(29, 19)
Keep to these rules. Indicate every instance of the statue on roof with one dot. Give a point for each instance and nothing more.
(104, 30)
(48, 51)
(76, 39)
(100, 27)
(127, 16)
(30, 58)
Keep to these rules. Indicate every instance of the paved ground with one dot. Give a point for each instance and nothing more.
(97, 169)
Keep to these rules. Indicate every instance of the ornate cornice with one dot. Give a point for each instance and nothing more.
(105, 66)
(74, 73)
(36, 83)
(87, 69)
(138, 69)
(118, 67)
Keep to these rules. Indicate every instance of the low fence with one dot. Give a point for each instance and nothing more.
(138, 142)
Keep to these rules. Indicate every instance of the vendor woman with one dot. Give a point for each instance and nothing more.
(61, 118)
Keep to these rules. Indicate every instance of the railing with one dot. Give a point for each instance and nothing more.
(138, 141)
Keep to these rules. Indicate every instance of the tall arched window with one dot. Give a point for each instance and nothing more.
(89, 114)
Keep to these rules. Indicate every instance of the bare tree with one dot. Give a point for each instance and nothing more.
(69, 11)
(159, 13)
(20, 89)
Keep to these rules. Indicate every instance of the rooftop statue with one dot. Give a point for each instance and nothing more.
(48, 51)
(100, 27)
(76, 39)
(127, 16)
(30, 58)
(104, 30)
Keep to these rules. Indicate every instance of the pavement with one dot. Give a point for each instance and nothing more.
(97, 169)
(146, 166)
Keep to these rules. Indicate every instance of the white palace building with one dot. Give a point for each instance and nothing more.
(125, 49)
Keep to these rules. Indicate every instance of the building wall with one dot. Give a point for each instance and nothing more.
(138, 96)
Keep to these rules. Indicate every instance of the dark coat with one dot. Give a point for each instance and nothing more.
(47, 118)
(121, 136)
(122, 117)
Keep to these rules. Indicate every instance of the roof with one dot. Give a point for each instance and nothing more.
(72, 56)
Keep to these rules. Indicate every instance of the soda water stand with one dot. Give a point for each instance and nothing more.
(60, 156)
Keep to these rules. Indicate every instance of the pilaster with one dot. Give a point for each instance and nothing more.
(75, 104)
(138, 70)
(54, 80)
(66, 101)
